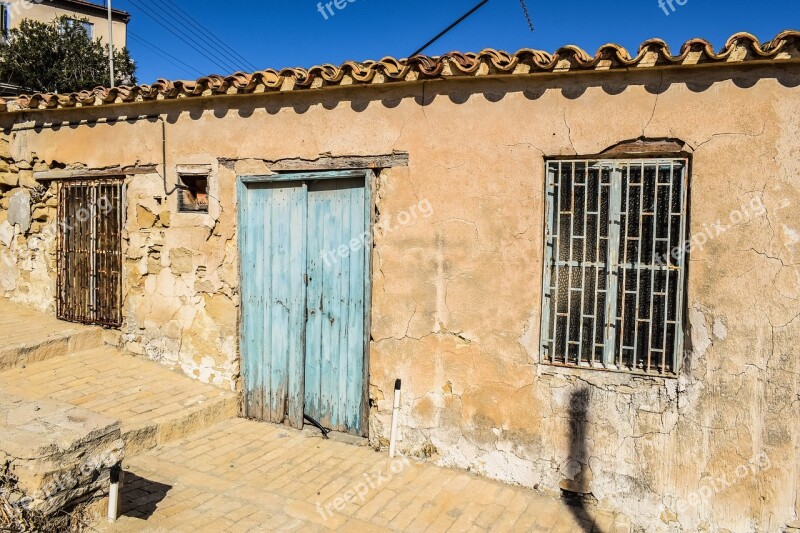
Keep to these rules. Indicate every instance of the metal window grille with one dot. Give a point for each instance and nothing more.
(614, 264)
(90, 222)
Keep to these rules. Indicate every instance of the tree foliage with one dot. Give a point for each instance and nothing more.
(60, 57)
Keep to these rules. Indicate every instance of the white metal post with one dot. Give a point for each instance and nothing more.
(395, 419)
(110, 44)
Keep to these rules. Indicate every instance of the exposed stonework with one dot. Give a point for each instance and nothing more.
(457, 296)
(27, 232)
(19, 210)
(59, 455)
(181, 296)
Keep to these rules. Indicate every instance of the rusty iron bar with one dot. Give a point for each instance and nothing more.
(89, 251)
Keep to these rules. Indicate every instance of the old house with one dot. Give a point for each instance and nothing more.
(583, 269)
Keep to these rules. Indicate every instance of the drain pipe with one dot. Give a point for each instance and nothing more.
(178, 186)
(395, 419)
(113, 493)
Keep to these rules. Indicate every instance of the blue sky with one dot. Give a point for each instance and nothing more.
(290, 33)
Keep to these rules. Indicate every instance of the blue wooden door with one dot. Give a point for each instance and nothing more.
(272, 222)
(337, 266)
(304, 261)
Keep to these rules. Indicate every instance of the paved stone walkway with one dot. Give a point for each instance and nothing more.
(21, 325)
(27, 336)
(155, 404)
(246, 476)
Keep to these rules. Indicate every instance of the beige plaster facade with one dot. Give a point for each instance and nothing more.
(456, 296)
(42, 11)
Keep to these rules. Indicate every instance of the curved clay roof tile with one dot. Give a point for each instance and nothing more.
(785, 38)
(653, 52)
(271, 79)
(576, 54)
(618, 55)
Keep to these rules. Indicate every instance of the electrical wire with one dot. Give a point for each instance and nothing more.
(225, 47)
(187, 39)
(527, 15)
(450, 27)
(163, 19)
(169, 57)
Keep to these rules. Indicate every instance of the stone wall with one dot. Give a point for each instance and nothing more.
(457, 294)
(181, 282)
(27, 231)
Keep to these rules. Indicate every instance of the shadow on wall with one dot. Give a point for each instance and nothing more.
(575, 493)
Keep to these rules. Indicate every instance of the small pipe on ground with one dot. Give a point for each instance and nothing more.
(113, 493)
(395, 419)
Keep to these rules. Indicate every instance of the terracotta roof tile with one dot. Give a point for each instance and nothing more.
(740, 48)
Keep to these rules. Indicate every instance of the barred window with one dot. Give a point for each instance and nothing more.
(614, 264)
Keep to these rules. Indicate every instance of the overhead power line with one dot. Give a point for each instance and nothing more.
(527, 15)
(186, 39)
(225, 47)
(450, 27)
(166, 55)
(164, 20)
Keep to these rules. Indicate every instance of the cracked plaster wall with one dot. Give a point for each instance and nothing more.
(27, 231)
(457, 295)
(182, 280)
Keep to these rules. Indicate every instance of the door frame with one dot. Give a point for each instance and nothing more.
(368, 176)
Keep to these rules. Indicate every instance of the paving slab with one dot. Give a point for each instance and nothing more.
(57, 454)
(28, 336)
(155, 404)
(212, 481)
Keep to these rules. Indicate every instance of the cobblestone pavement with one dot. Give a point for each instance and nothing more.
(246, 476)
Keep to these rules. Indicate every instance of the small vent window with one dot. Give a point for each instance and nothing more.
(193, 197)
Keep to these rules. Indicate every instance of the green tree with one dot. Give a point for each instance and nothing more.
(60, 57)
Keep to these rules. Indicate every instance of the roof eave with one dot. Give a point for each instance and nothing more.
(89, 8)
(741, 50)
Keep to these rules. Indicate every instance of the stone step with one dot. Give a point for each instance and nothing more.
(155, 404)
(58, 455)
(27, 336)
(52, 345)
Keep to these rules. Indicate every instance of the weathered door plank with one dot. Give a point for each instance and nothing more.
(272, 233)
(359, 226)
(303, 327)
(336, 315)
